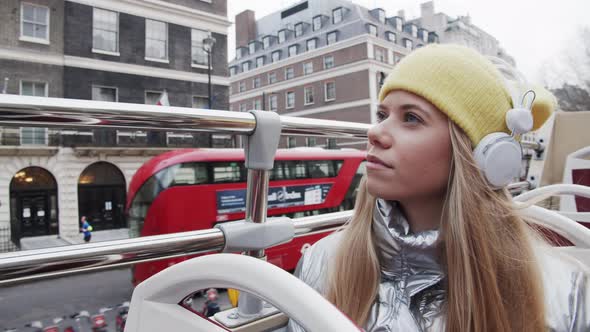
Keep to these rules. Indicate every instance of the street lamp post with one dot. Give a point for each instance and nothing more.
(208, 48)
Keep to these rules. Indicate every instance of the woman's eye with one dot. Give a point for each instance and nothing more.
(411, 117)
(381, 116)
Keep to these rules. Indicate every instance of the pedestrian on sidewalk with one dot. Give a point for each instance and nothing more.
(86, 229)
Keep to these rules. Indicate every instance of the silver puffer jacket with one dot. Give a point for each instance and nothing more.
(411, 293)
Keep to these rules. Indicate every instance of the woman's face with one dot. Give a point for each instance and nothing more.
(409, 149)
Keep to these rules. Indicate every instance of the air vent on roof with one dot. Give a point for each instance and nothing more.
(293, 10)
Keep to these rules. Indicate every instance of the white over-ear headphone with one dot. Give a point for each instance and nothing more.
(499, 155)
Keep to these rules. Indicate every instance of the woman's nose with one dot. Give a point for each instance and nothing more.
(378, 136)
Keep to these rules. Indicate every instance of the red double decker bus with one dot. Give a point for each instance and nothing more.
(195, 189)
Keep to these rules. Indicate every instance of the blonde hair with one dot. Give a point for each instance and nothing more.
(492, 283)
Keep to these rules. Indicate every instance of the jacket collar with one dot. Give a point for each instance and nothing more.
(408, 258)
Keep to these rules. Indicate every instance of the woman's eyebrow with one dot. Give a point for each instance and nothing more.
(407, 107)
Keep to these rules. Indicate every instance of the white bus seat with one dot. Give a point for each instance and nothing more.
(155, 302)
(575, 161)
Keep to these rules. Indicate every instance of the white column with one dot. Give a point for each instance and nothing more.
(373, 94)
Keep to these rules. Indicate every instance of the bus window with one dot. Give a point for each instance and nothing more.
(189, 173)
(320, 168)
(224, 172)
(295, 169)
(337, 165)
(277, 173)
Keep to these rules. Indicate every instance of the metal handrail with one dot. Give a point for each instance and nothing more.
(31, 265)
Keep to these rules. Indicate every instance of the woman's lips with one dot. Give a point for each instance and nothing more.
(375, 163)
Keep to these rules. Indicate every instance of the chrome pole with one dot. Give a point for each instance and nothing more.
(257, 201)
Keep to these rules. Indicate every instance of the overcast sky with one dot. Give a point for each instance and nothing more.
(532, 31)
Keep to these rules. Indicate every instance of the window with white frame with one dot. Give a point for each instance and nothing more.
(30, 135)
(243, 107)
(152, 97)
(292, 50)
(232, 70)
(414, 31)
(390, 36)
(337, 15)
(381, 16)
(298, 29)
(311, 44)
(266, 42)
(291, 142)
(272, 77)
(328, 61)
(241, 86)
(276, 56)
(259, 61)
(34, 23)
(272, 102)
(307, 68)
(308, 95)
(198, 54)
(310, 141)
(156, 40)
(200, 102)
(329, 91)
(379, 54)
(245, 66)
(372, 29)
(425, 36)
(408, 43)
(257, 105)
(332, 37)
(252, 47)
(104, 93)
(290, 99)
(256, 82)
(399, 23)
(317, 23)
(289, 73)
(105, 30)
(282, 36)
(238, 53)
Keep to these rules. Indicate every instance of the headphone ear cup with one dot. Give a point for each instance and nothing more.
(499, 158)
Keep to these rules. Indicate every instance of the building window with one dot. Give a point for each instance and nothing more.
(243, 107)
(266, 42)
(399, 23)
(381, 16)
(292, 50)
(104, 93)
(310, 141)
(329, 91)
(291, 142)
(307, 68)
(272, 102)
(332, 37)
(272, 77)
(156, 40)
(328, 61)
(105, 30)
(390, 36)
(201, 102)
(379, 55)
(259, 61)
(276, 56)
(397, 57)
(282, 36)
(33, 135)
(152, 97)
(199, 56)
(289, 99)
(298, 29)
(289, 73)
(238, 53)
(232, 71)
(252, 47)
(257, 104)
(34, 24)
(372, 29)
(408, 43)
(317, 23)
(256, 82)
(245, 66)
(311, 44)
(337, 15)
(308, 95)
(424, 35)
(414, 31)
(242, 86)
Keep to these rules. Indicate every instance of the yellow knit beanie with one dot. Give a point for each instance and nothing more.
(464, 85)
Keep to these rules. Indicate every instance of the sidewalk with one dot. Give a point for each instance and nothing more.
(52, 241)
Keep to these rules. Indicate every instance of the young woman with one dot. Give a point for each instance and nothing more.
(434, 245)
